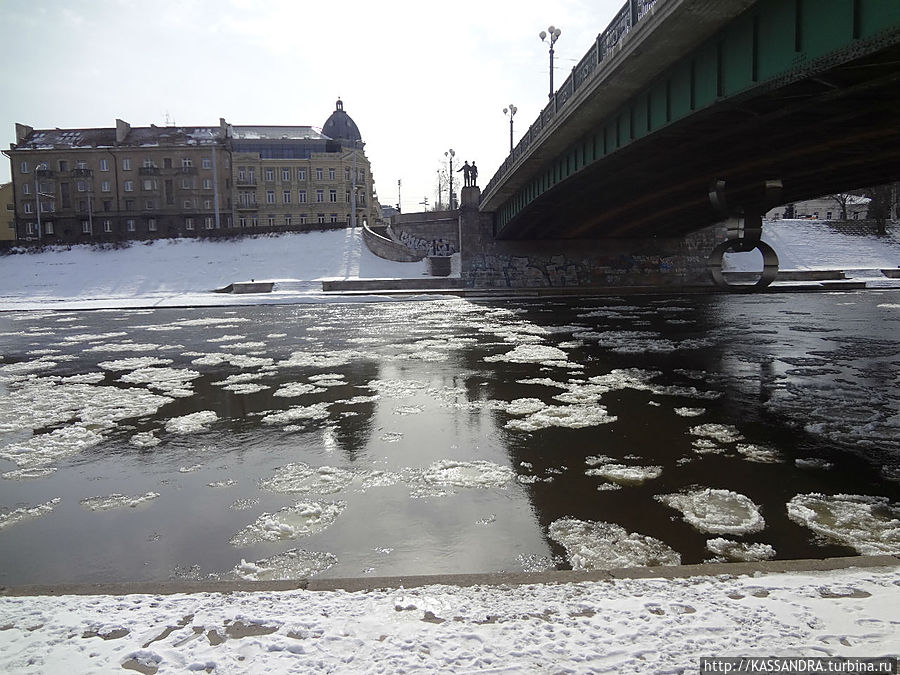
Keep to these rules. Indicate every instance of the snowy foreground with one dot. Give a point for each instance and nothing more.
(620, 626)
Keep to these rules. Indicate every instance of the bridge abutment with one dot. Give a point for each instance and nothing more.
(649, 262)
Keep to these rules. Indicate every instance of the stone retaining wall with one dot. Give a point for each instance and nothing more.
(389, 249)
(649, 262)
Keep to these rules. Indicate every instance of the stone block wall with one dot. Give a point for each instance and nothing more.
(649, 262)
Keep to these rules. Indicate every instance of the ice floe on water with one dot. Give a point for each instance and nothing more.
(524, 406)
(468, 474)
(689, 412)
(316, 411)
(869, 524)
(721, 433)
(117, 501)
(716, 511)
(15, 516)
(624, 474)
(299, 520)
(600, 545)
(728, 550)
(569, 416)
(145, 439)
(134, 363)
(301, 478)
(191, 423)
(291, 564)
(174, 382)
(44, 449)
(542, 354)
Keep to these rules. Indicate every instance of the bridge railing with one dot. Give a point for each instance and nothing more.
(604, 46)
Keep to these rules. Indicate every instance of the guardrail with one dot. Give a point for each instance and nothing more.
(606, 43)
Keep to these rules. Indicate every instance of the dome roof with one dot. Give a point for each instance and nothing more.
(340, 126)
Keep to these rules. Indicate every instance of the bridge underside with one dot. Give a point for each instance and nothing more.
(836, 131)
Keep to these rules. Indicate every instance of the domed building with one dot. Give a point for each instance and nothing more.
(340, 126)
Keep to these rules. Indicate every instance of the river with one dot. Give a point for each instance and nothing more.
(447, 436)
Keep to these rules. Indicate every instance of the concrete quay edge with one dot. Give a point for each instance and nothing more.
(356, 584)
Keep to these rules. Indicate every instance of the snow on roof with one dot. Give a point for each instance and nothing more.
(275, 133)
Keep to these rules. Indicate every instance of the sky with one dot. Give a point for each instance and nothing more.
(418, 78)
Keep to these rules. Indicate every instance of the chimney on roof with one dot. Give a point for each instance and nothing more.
(225, 127)
(22, 132)
(122, 130)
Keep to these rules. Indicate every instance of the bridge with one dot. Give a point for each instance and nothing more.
(678, 95)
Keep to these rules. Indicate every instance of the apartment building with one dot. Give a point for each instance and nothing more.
(112, 184)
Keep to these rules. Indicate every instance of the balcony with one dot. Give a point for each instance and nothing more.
(246, 181)
(188, 170)
(248, 207)
(44, 173)
(84, 173)
(148, 171)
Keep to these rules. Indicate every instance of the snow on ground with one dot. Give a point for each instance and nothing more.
(178, 272)
(617, 626)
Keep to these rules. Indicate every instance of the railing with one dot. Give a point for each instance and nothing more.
(605, 44)
(148, 171)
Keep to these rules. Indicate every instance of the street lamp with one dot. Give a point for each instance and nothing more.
(451, 153)
(553, 34)
(511, 111)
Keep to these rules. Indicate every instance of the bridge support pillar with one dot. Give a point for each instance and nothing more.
(744, 231)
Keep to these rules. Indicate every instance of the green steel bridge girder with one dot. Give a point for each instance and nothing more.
(773, 66)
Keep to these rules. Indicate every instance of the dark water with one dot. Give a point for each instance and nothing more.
(446, 436)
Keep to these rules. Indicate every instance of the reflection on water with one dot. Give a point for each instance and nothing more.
(447, 436)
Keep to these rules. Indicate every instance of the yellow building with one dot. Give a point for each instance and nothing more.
(299, 178)
(8, 222)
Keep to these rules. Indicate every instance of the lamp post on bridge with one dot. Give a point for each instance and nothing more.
(451, 153)
(511, 111)
(553, 34)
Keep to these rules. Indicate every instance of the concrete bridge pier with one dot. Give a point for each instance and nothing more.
(648, 262)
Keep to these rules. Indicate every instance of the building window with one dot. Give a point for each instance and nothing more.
(207, 184)
(107, 226)
(270, 196)
(189, 223)
(28, 207)
(209, 223)
(23, 167)
(334, 218)
(286, 196)
(129, 224)
(330, 174)
(321, 218)
(26, 188)
(85, 227)
(243, 221)
(270, 175)
(186, 163)
(254, 221)
(287, 220)
(107, 205)
(188, 203)
(285, 174)
(271, 221)
(63, 165)
(48, 207)
(126, 164)
(303, 219)
(302, 197)
(301, 174)
(80, 186)
(151, 224)
(48, 227)
(104, 165)
(320, 196)
(150, 204)
(347, 196)
(319, 174)
(150, 184)
(332, 196)
(346, 173)
(207, 163)
(129, 205)
(104, 186)
(241, 174)
(187, 184)
(129, 186)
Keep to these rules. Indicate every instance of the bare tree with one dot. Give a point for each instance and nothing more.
(842, 199)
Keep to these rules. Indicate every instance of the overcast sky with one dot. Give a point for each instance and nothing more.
(418, 78)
